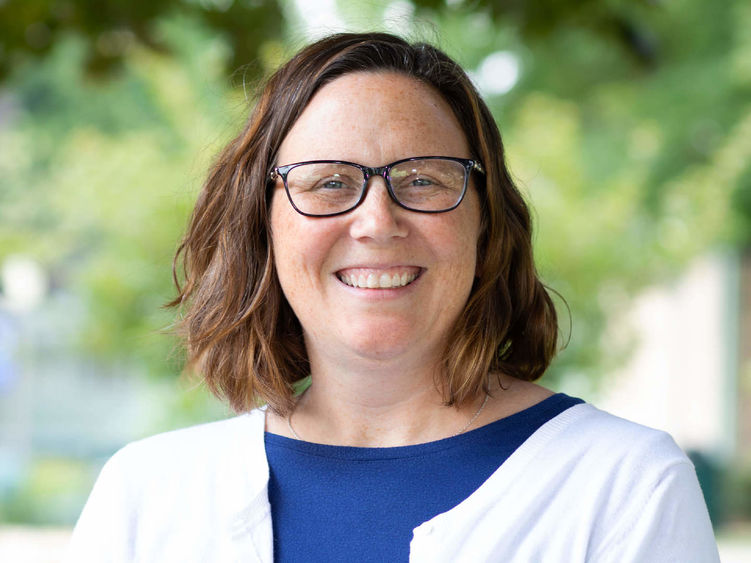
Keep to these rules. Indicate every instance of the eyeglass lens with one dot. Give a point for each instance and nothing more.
(422, 185)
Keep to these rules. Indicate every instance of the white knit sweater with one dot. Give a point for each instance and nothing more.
(586, 486)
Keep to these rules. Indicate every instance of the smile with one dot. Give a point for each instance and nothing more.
(373, 279)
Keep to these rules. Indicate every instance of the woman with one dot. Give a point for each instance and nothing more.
(363, 230)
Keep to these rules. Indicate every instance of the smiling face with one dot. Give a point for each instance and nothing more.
(380, 282)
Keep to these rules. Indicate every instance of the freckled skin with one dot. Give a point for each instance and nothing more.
(374, 119)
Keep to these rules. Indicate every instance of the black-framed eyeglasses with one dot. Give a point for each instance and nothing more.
(426, 184)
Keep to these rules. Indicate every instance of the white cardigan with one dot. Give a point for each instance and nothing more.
(586, 486)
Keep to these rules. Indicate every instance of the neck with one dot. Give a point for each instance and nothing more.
(376, 408)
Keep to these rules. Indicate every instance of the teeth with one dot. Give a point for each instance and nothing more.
(373, 281)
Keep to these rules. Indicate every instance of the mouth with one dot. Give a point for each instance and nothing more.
(379, 278)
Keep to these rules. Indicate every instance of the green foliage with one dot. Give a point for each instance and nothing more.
(100, 176)
(50, 493)
(110, 29)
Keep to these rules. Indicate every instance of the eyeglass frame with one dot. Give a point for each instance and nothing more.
(369, 172)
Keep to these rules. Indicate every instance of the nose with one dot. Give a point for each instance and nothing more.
(378, 217)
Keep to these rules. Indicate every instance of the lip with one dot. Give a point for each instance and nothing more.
(364, 277)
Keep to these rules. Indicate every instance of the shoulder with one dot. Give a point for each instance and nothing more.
(602, 451)
(645, 500)
(631, 480)
(174, 460)
(603, 464)
(590, 431)
(203, 440)
(176, 491)
(601, 488)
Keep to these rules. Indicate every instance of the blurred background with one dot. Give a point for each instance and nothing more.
(627, 126)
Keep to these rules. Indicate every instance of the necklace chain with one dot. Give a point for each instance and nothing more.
(474, 416)
(289, 425)
(462, 431)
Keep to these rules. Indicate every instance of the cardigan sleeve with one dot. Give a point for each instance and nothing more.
(103, 531)
(664, 523)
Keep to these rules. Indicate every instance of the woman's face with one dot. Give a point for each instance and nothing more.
(374, 119)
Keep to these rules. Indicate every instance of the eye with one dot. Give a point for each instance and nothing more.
(418, 181)
(336, 183)
(421, 181)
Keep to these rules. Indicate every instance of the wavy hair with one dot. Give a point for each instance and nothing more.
(239, 330)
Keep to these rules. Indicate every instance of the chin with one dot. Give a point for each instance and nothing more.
(383, 341)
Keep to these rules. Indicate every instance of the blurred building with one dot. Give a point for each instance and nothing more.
(682, 376)
(690, 373)
(743, 404)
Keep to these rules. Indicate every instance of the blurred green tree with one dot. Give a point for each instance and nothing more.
(108, 29)
(97, 177)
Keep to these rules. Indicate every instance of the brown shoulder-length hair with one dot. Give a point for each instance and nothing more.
(238, 327)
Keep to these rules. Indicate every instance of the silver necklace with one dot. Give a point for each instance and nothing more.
(474, 416)
(462, 431)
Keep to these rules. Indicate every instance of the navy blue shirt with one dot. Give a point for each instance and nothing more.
(339, 503)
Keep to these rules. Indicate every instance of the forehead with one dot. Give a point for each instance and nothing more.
(374, 118)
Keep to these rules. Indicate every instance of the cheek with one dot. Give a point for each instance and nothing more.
(472, 232)
(301, 247)
(466, 235)
(283, 237)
